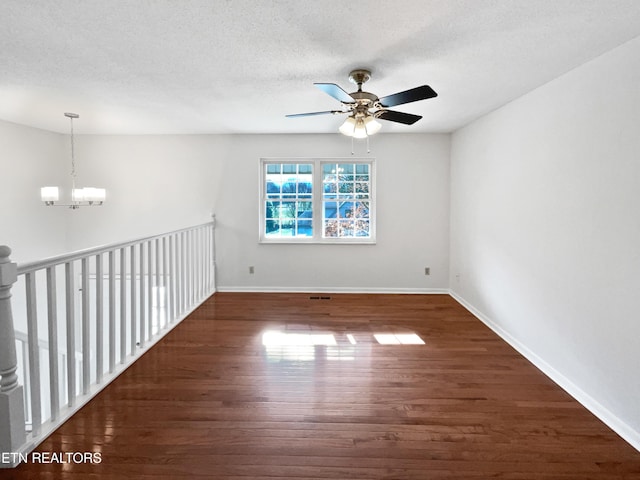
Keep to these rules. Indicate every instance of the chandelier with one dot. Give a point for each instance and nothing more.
(80, 197)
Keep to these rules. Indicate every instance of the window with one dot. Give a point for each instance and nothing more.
(317, 201)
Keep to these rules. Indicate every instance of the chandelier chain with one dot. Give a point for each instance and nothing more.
(73, 157)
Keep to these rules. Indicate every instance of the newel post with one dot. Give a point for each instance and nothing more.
(12, 428)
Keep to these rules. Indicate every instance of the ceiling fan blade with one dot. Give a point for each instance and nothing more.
(312, 114)
(408, 96)
(335, 91)
(400, 117)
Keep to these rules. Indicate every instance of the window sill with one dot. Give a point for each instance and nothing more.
(327, 241)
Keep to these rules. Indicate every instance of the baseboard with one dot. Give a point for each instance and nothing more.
(625, 431)
(412, 291)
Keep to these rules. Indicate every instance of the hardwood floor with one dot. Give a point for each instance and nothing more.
(211, 400)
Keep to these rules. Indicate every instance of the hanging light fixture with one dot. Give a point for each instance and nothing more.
(80, 197)
(360, 126)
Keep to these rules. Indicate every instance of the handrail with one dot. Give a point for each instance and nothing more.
(24, 338)
(102, 307)
(32, 266)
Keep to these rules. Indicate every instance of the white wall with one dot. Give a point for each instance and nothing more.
(155, 184)
(29, 159)
(160, 183)
(545, 230)
(412, 218)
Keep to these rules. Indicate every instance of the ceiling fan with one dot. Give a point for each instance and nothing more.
(363, 108)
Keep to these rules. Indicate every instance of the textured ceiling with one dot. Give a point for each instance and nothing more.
(238, 66)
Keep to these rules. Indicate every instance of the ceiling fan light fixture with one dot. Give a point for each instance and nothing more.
(360, 127)
(348, 127)
(360, 130)
(372, 125)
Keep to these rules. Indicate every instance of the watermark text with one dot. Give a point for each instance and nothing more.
(50, 457)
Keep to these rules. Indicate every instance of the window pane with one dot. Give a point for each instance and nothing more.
(330, 210)
(272, 210)
(328, 168)
(330, 190)
(305, 210)
(347, 209)
(305, 187)
(362, 168)
(288, 218)
(346, 189)
(362, 228)
(346, 228)
(273, 168)
(287, 228)
(362, 210)
(305, 228)
(287, 210)
(289, 168)
(362, 189)
(346, 168)
(331, 228)
(304, 168)
(289, 190)
(345, 178)
(273, 188)
(272, 228)
(329, 178)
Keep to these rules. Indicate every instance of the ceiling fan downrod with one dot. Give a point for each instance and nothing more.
(359, 76)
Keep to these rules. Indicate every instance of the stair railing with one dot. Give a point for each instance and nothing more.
(82, 318)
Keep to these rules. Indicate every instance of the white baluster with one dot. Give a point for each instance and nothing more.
(99, 318)
(86, 332)
(132, 326)
(172, 298)
(142, 297)
(112, 311)
(150, 290)
(12, 431)
(183, 276)
(158, 284)
(52, 314)
(34, 353)
(123, 304)
(165, 282)
(189, 262)
(71, 334)
(200, 264)
(213, 254)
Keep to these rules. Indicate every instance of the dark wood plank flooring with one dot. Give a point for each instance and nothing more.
(212, 401)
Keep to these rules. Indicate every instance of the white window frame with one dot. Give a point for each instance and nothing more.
(317, 202)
